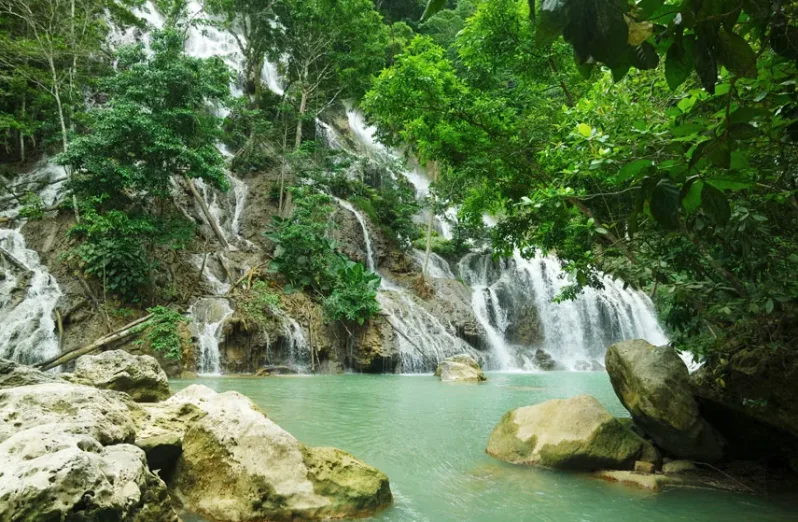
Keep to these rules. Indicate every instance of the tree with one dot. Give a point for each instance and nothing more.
(679, 183)
(157, 124)
(253, 24)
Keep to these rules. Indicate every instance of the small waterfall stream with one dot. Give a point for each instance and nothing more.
(28, 299)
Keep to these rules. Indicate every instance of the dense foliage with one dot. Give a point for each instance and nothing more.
(307, 257)
(671, 167)
(157, 125)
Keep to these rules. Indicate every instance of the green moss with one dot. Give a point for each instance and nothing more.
(611, 446)
(352, 487)
(505, 444)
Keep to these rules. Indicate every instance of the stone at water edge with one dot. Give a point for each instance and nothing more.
(654, 385)
(641, 480)
(678, 466)
(460, 368)
(140, 376)
(239, 465)
(13, 375)
(573, 434)
(104, 415)
(47, 473)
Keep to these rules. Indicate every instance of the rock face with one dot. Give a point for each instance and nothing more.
(47, 474)
(13, 375)
(237, 464)
(757, 408)
(139, 376)
(574, 434)
(103, 415)
(653, 384)
(460, 368)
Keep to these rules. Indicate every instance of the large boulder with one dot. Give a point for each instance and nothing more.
(13, 375)
(104, 415)
(237, 464)
(574, 434)
(161, 427)
(654, 385)
(460, 368)
(47, 473)
(139, 376)
(751, 397)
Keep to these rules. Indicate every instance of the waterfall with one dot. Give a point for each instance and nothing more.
(209, 315)
(28, 299)
(371, 261)
(572, 332)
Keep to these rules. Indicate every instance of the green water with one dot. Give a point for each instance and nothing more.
(429, 438)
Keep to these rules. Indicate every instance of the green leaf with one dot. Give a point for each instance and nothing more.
(433, 7)
(719, 153)
(602, 231)
(769, 305)
(735, 54)
(644, 56)
(634, 169)
(649, 7)
(724, 183)
(584, 129)
(664, 204)
(705, 64)
(742, 131)
(715, 205)
(678, 65)
(692, 199)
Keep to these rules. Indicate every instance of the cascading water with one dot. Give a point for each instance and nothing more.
(209, 314)
(508, 295)
(573, 332)
(28, 297)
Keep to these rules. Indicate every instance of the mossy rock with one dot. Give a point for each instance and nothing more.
(460, 368)
(572, 434)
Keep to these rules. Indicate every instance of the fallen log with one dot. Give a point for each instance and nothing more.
(123, 333)
(205, 210)
(413, 344)
(13, 260)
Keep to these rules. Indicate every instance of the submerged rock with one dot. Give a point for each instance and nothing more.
(574, 434)
(460, 368)
(237, 464)
(544, 361)
(641, 480)
(139, 376)
(104, 415)
(13, 374)
(49, 474)
(653, 384)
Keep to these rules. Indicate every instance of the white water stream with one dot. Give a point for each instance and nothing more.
(28, 299)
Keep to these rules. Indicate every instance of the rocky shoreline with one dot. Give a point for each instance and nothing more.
(667, 441)
(78, 447)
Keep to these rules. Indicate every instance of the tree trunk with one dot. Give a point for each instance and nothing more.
(206, 211)
(431, 220)
(124, 332)
(13, 260)
(21, 132)
(62, 122)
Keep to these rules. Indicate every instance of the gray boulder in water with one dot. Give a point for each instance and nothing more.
(139, 376)
(654, 385)
(574, 434)
(239, 465)
(460, 368)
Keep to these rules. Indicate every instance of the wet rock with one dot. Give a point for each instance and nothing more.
(13, 375)
(460, 368)
(588, 366)
(49, 474)
(139, 376)
(543, 361)
(653, 384)
(574, 434)
(751, 397)
(678, 466)
(642, 480)
(239, 465)
(102, 414)
(644, 467)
